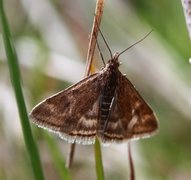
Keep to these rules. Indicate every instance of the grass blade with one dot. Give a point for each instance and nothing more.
(98, 159)
(16, 82)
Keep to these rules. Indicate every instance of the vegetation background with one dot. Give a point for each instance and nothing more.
(51, 40)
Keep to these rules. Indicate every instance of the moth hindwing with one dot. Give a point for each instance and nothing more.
(104, 104)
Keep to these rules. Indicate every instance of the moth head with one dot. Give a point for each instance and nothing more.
(116, 56)
(113, 62)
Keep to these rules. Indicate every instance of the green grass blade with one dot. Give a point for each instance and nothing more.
(16, 82)
(98, 159)
(57, 158)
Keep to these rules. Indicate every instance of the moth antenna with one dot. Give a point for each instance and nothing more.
(105, 42)
(136, 43)
(100, 53)
(107, 45)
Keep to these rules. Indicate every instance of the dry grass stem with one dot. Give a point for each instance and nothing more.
(90, 54)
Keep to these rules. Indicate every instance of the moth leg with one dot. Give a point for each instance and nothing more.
(111, 108)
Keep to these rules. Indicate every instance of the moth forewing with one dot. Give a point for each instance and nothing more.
(71, 113)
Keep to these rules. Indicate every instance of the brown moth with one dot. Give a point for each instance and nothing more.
(104, 104)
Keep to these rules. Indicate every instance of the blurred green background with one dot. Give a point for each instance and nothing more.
(51, 39)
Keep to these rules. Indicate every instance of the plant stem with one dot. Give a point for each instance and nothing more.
(89, 60)
(186, 4)
(93, 35)
(70, 155)
(98, 160)
(131, 164)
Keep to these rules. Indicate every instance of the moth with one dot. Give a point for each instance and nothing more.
(104, 104)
